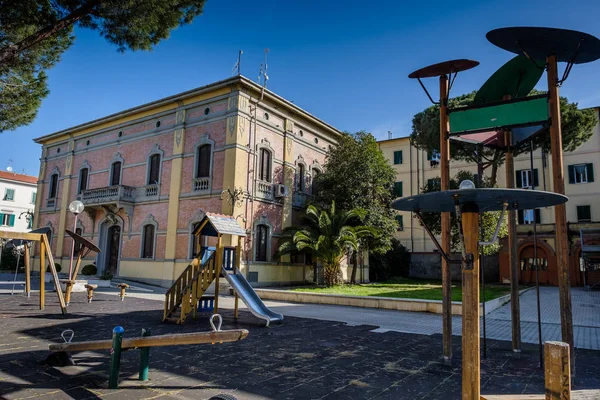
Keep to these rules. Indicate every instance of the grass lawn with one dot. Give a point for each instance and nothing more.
(405, 288)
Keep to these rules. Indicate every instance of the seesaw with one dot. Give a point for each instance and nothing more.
(61, 356)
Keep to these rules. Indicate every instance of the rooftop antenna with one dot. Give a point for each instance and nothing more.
(389, 135)
(263, 72)
(9, 168)
(238, 65)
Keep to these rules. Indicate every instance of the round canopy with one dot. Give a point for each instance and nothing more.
(444, 68)
(539, 43)
(515, 78)
(82, 241)
(485, 199)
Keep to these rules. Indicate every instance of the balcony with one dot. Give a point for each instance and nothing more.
(264, 190)
(201, 185)
(108, 195)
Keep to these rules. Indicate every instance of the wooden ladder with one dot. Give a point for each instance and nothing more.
(182, 298)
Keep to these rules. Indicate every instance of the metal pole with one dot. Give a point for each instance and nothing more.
(16, 270)
(535, 264)
(144, 358)
(72, 250)
(479, 183)
(115, 357)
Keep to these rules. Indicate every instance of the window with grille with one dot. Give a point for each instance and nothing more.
(301, 178)
(584, 214)
(262, 233)
(148, 241)
(53, 186)
(154, 173)
(398, 157)
(524, 180)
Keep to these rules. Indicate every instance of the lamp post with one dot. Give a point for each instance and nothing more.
(76, 207)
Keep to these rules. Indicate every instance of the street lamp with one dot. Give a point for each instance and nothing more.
(76, 207)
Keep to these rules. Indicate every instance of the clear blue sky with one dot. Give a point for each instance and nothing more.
(344, 61)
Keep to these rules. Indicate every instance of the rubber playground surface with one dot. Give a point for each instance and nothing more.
(299, 359)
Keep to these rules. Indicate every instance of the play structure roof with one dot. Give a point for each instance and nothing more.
(485, 199)
(220, 224)
(568, 46)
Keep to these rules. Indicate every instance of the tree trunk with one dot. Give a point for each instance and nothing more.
(495, 165)
(332, 274)
(10, 52)
(354, 268)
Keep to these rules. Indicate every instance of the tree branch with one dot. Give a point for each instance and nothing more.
(10, 52)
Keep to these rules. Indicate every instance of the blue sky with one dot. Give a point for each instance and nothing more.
(344, 61)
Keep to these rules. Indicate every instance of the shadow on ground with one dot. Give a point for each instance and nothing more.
(300, 359)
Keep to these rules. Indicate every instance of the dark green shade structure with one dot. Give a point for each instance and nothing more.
(567, 45)
(444, 68)
(523, 112)
(495, 139)
(516, 78)
(484, 199)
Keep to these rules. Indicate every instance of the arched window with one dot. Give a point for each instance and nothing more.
(203, 161)
(154, 169)
(262, 237)
(148, 234)
(83, 179)
(53, 190)
(264, 169)
(115, 173)
(315, 174)
(301, 178)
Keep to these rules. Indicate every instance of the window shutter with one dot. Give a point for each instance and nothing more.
(398, 189)
(520, 216)
(571, 174)
(400, 157)
(11, 220)
(1, 219)
(535, 178)
(590, 172)
(518, 181)
(538, 218)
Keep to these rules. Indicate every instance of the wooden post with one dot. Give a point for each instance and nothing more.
(557, 371)
(560, 214)
(42, 274)
(470, 307)
(445, 216)
(77, 264)
(27, 271)
(513, 263)
(235, 306)
(219, 261)
(59, 293)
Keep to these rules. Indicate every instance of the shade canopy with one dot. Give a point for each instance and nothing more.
(218, 224)
(516, 78)
(444, 68)
(495, 138)
(567, 45)
(485, 199)
(81, 241)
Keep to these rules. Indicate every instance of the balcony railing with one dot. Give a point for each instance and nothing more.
(109, 194)
(264, 190)
(202, 185)
(51, 203)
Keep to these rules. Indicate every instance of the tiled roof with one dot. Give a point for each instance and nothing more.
(225, 224)
(12, 176)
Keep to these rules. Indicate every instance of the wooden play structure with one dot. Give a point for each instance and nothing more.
(38, 236)
(185, 294)
(85, 247)
(188, 292)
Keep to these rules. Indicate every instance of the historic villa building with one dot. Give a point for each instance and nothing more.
(18, 193)
(415, 169)
(149, 174)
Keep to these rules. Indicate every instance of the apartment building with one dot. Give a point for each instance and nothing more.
(17, 204)
(415, 169)
(148, 175)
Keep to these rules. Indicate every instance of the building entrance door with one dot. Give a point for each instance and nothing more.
(113, 241)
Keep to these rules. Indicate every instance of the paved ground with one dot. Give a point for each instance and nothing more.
(300, 359)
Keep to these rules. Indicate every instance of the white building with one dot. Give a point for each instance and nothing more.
(17, 201)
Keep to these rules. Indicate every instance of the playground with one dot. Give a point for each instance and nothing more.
(300, 359)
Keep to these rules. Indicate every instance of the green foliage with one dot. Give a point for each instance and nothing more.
(489, 220)
(106, 275)
(327, 234)
(9, 259)
(577, 128)
(394, 263)
(89, 270)
(56, 265)
(35, 33)
(358, 176)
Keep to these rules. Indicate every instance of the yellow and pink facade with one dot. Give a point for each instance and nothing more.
(149, 174)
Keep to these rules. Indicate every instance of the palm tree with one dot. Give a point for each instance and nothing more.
(328, 234)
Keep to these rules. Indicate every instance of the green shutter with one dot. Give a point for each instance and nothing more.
(518, 180)
(11, 220)
(1, 219)
(571, 174)
(398, 189)
(536, 183)
(590, 172)
(398, 157)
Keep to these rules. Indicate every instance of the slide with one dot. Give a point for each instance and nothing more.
(250, 298)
